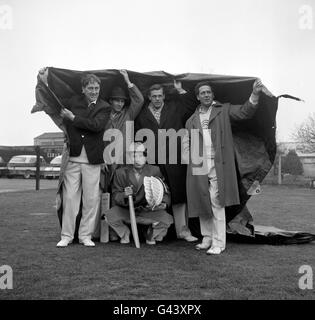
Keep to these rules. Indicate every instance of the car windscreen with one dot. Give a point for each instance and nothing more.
(56, 160)
(18, 160)
(23, 160)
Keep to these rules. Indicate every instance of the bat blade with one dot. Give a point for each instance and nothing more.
(133, 222)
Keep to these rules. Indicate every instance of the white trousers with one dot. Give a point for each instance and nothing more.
(213, 224)
(80, 180)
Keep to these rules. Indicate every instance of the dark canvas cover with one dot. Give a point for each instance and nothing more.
(254, 139)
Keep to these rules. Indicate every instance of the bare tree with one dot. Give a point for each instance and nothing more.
(305, 133)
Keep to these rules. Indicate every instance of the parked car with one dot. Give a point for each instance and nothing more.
(53, 169)
(3, 168)
(24, 165)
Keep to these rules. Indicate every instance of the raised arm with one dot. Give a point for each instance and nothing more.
(136, 96)
(248, 109)
(186, 102)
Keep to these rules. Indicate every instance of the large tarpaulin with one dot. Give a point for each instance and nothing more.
(254, 139)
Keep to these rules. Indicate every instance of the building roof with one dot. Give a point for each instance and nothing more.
(306, 155)
(51, 135)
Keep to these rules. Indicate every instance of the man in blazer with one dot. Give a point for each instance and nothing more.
(129, 180)
(85, 118)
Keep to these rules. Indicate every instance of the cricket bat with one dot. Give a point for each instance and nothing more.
(133, 222)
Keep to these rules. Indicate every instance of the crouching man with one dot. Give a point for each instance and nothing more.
(150, 195)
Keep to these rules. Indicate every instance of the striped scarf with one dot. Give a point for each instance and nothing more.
(156, 112)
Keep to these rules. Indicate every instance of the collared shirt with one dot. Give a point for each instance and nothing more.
(92, 104)
(156, 112)
(137, 174)
(204, 116)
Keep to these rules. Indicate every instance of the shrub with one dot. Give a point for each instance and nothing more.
(292, 164)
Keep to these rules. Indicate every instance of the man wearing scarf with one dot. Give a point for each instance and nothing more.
(159, 116)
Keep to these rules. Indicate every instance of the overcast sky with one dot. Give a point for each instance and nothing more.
(273, 40)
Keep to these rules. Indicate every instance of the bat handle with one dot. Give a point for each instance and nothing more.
(133, 222)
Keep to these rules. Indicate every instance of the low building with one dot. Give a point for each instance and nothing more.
(308, 162)
(51, 144)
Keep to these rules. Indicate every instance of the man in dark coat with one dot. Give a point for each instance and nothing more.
(212, 179)
(159, 116)
(85, 118)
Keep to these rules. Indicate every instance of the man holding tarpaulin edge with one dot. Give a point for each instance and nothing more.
(212, 182)
(84, 117)
(119, 116)
(165, 115)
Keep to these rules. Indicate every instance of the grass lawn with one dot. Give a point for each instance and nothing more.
(29, 232)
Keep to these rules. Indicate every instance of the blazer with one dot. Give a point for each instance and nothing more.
(87, 128)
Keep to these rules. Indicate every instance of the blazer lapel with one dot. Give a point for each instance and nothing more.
(150, 117)
(163, 116)
(93, 108)
(196, 121)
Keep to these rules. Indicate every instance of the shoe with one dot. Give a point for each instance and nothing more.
(126, 238)
(205, 244)
(124, 241)
(190, 238)
(63, 243)
(88, 243)
(186, 235)
(214, 250)
(150, 242)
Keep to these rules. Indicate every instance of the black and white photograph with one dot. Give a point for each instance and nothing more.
(157, 155)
